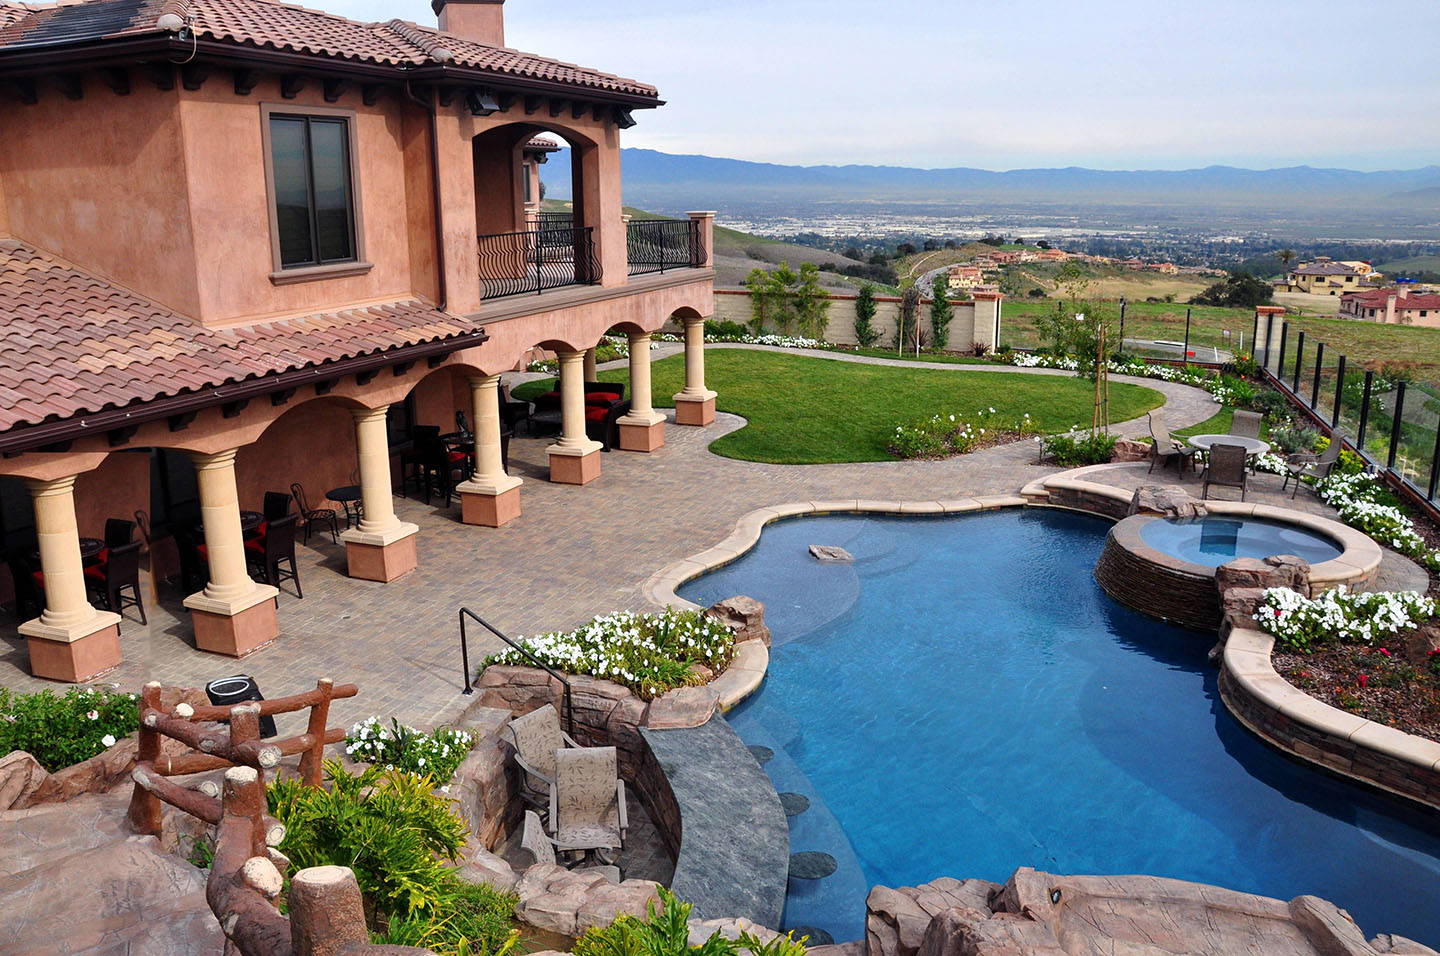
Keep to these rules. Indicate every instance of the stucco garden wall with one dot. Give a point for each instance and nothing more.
(734, 306)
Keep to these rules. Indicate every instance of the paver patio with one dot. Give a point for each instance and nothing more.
(576, 552)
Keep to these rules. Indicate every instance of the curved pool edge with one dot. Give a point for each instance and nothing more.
(1404, 765)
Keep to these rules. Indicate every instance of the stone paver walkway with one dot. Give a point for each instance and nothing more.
(575, 552)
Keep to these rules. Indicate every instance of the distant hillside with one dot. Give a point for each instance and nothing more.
(663, 180)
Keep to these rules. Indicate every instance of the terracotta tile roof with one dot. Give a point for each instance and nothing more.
(280, 26)
(1376, 299)
(541, 144)
(71, 343)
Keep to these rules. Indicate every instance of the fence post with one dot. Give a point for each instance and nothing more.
(1280, 359)
(1299, 361)
(1185, 356)
(1395, 427)
(1255, 337)
(1364, 412)
(315, 754)
(144, 805)
(1319, 367)
(1339, 392)
(1434, 464)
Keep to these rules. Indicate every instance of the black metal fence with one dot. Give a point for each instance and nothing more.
(654, 245)
(534, 260)
(1394, 425)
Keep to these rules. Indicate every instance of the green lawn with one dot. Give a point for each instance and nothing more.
(811, 410)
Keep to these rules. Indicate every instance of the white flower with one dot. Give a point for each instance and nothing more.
(108, 740)
(93, 715)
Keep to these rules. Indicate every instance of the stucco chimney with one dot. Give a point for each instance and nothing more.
(480, 20)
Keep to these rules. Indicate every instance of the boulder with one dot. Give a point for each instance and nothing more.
(1128, 449)
(1327, 927)
(831, 554)
(1170, 501)
(895, 923)
(603, 903)
(21, 776)
(965, 932)
(1276, 571)
(682, 707)
(745, 617)
(482, 866)
(729, 928)
(1419, 643)
(1400, 946)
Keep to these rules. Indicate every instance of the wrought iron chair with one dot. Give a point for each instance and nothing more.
(1226, 466)
(413, 460)
(274, 551)
(311, 515)
(1306, 465)
(119, 573)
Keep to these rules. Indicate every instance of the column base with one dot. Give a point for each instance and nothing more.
(574, 467)
(694, 410)
(240, 633)
(75, 654)
(642, 436)
(381, 556)
(487, 507)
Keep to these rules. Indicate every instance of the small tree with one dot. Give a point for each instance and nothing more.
(762, 299)
(865, 332)
(811, 303)
(941, 312)
(905, 322)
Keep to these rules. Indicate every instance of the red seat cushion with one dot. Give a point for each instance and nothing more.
(595, 413)
(100, 557)
(457, 457)
(204, 551)
(601, 398)
(548, 396)
(96, 571)
(255, 544)
(38, 577)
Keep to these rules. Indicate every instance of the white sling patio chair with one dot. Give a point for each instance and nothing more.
(536, 737)
(535, 841)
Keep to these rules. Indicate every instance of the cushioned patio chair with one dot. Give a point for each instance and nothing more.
(271, 553)
(1245, 424)
(535, 841)
(119, 573)
(1305, 465)
(277, 505)
(536, 737)
(1226, 466)
(602, 423)
(587, 801)
(1165, 447)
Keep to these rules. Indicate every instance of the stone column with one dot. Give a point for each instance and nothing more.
(70, 640)
(574, 459)
(704, 226)
(381, 547)
(695, 404)
(233, 615)
(490, 497)
(641, 428)
(987, 319)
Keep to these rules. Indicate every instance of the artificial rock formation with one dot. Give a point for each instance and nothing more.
(1128, 449)
(744, 616)
(830, 554)
(1169, 501)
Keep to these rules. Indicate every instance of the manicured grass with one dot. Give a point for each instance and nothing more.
(810, 410)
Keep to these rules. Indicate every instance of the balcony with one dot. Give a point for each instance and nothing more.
(554, 254)
(657, 245)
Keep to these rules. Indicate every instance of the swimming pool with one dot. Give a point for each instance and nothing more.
(1215, 539)
(964, 700)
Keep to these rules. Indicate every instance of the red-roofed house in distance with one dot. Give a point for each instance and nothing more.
(245, 244)
(1397, 306)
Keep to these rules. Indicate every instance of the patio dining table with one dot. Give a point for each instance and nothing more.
(1252, 446)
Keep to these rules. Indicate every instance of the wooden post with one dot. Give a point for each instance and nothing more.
(245, 729)
(319, 714)
(145, 811)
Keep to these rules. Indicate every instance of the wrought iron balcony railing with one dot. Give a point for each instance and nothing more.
(654, 245)
(533, 260)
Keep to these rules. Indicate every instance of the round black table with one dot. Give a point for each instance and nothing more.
(349, 498)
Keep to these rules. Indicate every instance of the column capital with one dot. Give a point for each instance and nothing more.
(570, 358)
(690, 321)
(483, 381)
(210, 461)
(49, 487)
(702, 214)
(365, 415)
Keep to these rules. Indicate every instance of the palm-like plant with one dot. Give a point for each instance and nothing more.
(1286, 256)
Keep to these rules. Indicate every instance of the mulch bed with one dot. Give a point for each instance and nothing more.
(1394, 691)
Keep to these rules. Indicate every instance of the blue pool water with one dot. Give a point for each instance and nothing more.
(1214, 540)
(964, 700)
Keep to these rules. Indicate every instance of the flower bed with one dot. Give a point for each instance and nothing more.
(1340, 615)
(399, 747)
(1365, 504)
(942, 436)
(648, 653)
(59, 731)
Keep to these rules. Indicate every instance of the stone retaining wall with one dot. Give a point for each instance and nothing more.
(1159, 588)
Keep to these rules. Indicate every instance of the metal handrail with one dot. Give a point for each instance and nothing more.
(533, 260)
(465, 662)
(654, 245)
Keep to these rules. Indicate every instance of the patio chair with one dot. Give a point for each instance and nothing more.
(602, 423)
(535, 841)
(277, 505)
(587, 801)
(1226, 466)
(119, 573)
(1245, 424)
(1305, 465)
(313, 515)
(1166, 447)
(118, 531)
(412, 460)
(536, 737)
(276, 549)
(513, 411)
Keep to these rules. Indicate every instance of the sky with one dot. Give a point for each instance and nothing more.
(1006, 84)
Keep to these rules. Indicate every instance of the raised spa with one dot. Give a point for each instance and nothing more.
(1215, 539)
(963, 700)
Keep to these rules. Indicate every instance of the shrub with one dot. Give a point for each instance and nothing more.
(941, 436)
(941, 312)
(399, 747)
(1092, 449)
(1349, 617)
(470, 920)
(723, 329)
(648, 653)
(1245, 366)
(1292, 437)
(389, 826)
(62, 730)
(666, 932)
(1234, 392)
(1270, 401)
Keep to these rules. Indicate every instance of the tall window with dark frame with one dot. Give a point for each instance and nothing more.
(314, 203)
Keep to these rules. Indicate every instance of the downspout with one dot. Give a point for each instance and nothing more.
(435, 196)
